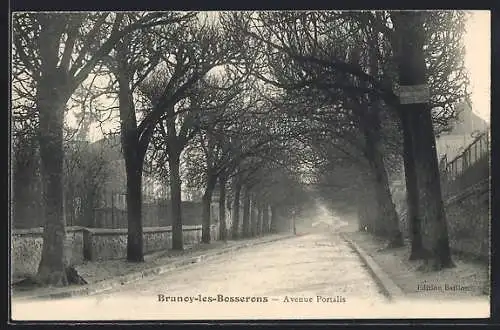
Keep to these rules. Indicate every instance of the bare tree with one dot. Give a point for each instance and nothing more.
(137, 56)
(201, 47)
(435, 245)
(86, 169)
(59, 51)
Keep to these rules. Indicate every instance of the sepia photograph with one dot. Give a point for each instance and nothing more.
(249, 165)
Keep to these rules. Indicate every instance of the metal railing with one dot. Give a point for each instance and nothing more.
(479, 148)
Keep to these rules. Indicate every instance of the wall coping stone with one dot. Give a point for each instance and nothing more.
(104, 231)
(39, 230)
(481, 187)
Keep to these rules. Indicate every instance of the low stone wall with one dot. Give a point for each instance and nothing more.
(92, 244)
(468, 218)
(26, 249)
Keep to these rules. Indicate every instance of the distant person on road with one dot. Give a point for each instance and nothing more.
(293, 223)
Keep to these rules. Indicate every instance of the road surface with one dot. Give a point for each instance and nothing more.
(314, 276)
(309, 276)
(309, 265)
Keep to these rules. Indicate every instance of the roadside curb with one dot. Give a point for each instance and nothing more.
(112, 283)
(389, 288)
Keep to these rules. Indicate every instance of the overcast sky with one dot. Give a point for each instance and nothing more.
(477, 61)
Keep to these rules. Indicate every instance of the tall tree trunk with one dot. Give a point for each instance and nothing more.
(133, 167)
(412, 71)
(236, 209)
(175, 193)
(135, 251)
(53, 92)
(222, 209)
(387, 222)
(69, 197)
(51, 106)
(265, 219)
(253, 216)
(206, 207)
(246, 213)
(258, 222)
(88, 203)
(174, 155)
(417, 250)
(273, 227)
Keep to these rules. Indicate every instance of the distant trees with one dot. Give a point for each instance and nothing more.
(25, 179)
(235, 140)
(210, 151)
(327, 51)
(86, 169)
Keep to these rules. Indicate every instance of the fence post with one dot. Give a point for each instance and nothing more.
(112, 210)
(468, 159)
(464, 160)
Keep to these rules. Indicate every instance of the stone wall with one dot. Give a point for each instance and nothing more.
(92, 244)
(468, 218)
(26, 249)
